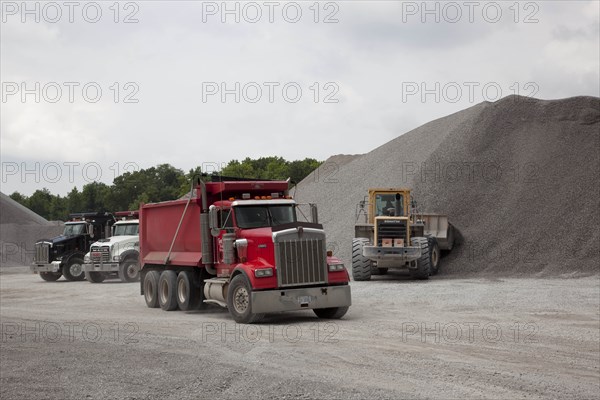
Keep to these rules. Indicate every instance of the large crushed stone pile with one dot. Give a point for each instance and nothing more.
(519, 178)
(20, 228)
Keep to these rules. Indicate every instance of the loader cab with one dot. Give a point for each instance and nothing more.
(388, 203)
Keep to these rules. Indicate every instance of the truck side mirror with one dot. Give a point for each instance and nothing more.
(213, 220)
(314, 214)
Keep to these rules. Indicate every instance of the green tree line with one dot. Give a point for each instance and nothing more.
(160, 183)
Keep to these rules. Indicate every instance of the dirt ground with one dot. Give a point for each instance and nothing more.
(444, 338)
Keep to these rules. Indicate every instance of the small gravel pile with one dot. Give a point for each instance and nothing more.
(518, 179)
(20, 228)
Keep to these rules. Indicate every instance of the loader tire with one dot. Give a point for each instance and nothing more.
(361, 265)
(167, 290)
(94, 276)
(434, 255)
(423, 269)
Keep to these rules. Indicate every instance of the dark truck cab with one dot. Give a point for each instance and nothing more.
(63, 255)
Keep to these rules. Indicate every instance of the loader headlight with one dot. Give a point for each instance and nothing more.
(336, 267)
(263, 272)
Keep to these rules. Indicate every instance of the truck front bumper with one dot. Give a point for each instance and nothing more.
(397, 255)
(268, 301)
(54, 266)
(101, 267)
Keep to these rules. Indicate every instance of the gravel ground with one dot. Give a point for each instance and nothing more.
(445, 338)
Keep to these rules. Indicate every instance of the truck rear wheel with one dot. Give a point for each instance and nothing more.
(73, 270)
(361, 265)
(239, 301)
(187, 295)
(167, 290)
(423, 269)
(434, 255)
(331, 313)
(129, 271)
(50, 276)
(94, 276)
(151, 288)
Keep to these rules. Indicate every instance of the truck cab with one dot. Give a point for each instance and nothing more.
(63, 255)
(117, 255)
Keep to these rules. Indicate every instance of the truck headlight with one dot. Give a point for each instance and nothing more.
(263, 272)
(336, 267)
(87, 259)
(116, 258)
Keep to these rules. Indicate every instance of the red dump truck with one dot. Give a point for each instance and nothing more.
(239, 244)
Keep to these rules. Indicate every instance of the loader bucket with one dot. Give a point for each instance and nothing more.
(437, 225)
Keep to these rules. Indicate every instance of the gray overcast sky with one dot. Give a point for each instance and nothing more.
(306, 88)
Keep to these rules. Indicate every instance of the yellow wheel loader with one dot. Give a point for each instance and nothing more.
(395, 235)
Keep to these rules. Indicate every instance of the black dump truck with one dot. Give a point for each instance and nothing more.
(63, 255)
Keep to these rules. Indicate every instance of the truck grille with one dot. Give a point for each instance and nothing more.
(42, 253)
(391, 229)
(100, 254)
(301, 261)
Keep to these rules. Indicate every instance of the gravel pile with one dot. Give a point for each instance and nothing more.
(518, 179)
(20, 228)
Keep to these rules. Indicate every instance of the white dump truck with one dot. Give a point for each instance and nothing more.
(117, 255)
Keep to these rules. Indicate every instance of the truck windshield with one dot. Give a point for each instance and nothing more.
(126, 230)
(74, 229)
(262, 216)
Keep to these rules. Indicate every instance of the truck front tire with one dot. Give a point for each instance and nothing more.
(187, 295)
(423, 269)
(151, 288)
(361, 265)
(167, 290)
(73, 269)
(331, 313)
(50, 276)
(239, 301)
(94, 276)
(129, 271)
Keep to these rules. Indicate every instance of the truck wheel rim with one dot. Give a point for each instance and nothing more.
(149, 290)
(182, 291)
(75, 269)
(131, 270)
(164, 292)
(241, 300)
